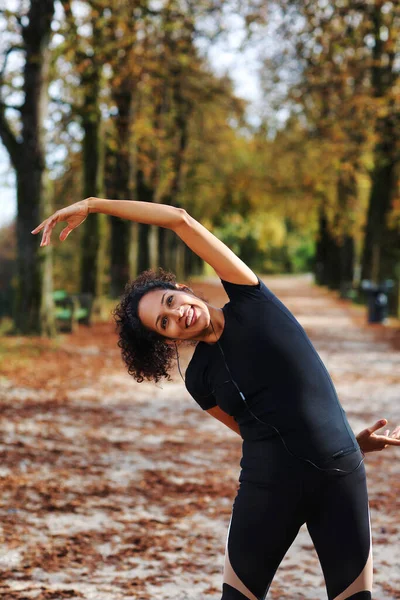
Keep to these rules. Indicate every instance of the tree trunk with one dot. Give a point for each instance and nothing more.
(180, 260)
(329, 255)
(379, 256)
(47, 319)
(90, 65)
(194, 265)
(173, 249)
(121, 188)
(153, 247)
(381, 250)
(162, 247)
(143, 258)
(118, 187)
(30, 258)
(347, 258)
(173, 252)
(144, 194)
(346, 199)
(133, 251)
(335, 254)
(120, 252)
(91, 121)
(33, 300)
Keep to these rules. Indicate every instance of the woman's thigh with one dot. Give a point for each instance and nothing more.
(265, 520)
(339, 525)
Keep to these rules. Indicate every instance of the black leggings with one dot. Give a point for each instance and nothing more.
(279, 493)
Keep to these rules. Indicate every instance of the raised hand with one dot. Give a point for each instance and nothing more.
(369, 441)
(74, 215)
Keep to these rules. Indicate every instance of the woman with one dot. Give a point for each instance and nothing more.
(255, 369)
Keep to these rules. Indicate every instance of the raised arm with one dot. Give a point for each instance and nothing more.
(226, 264)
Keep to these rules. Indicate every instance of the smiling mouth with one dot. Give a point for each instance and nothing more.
(191, 317)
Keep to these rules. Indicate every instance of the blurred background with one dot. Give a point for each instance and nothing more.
(274, 123)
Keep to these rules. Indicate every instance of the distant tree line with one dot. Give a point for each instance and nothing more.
(114, 99)
(345, 88)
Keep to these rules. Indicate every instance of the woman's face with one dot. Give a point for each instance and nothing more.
(175, 314)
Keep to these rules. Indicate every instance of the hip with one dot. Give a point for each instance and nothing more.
(272, 462)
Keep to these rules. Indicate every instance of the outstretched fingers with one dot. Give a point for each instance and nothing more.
(45, 235)
(370, 441)
(396, 432)
(389, 441)
(38, 228)
(395, 435)
(394, 438)
(65, 233)
(378, 425)
(47, 226)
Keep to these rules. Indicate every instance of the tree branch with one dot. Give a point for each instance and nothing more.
(9, 13)
(4, 106)
(9, 140)
(6, 55)
(66, 4)
(74, 108)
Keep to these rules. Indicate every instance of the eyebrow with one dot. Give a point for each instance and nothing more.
(162, 302)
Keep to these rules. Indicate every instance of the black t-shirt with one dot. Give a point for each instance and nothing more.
(274, 364)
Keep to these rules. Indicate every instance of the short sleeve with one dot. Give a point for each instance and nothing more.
(205, 402)
(198, 389)
(239, 292)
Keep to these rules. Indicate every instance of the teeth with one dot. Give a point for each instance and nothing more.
(189, 317)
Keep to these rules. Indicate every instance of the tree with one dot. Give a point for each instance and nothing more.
(123, 49)
(345, 87)
(86, 53)
(382, 241)
(24, 140)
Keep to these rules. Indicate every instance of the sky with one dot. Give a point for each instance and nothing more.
(8, 201)
(225, 57)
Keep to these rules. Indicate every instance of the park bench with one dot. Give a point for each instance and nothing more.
(71, 309)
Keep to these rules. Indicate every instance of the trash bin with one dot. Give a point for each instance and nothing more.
(377, 295)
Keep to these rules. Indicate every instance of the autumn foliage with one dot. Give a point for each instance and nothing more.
(308, 180)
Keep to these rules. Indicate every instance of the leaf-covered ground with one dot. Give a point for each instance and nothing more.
(113, 490)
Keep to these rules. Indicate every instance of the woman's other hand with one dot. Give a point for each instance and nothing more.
(74, 215)
(369, 441)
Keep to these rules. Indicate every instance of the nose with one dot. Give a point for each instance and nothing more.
(179, 311)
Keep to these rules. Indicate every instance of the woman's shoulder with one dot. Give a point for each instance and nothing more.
(247, 292)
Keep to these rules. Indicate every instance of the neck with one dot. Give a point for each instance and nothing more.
(216, 327)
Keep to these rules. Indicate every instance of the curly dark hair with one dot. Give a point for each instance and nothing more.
(145, 352)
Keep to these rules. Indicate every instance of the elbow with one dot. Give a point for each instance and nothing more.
(183, 219)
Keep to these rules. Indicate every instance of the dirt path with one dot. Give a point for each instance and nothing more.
(113, 490)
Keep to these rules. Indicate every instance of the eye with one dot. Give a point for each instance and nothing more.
(164, 320)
